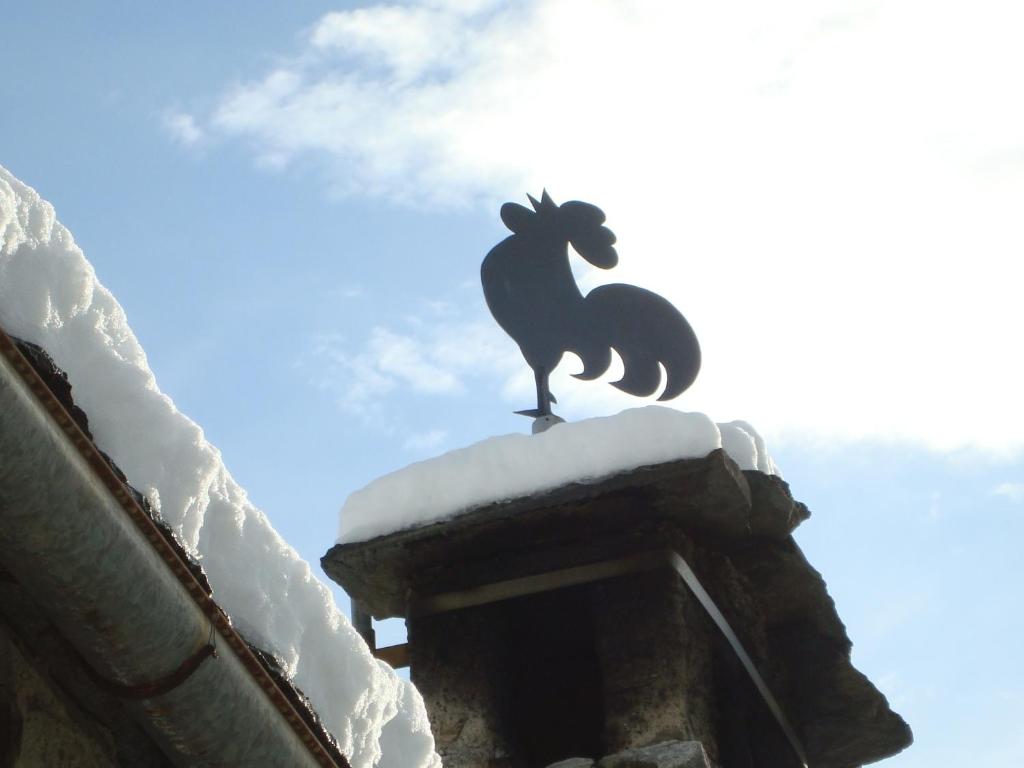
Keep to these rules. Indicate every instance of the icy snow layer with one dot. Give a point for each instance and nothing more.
(520, 465)
(49, 295)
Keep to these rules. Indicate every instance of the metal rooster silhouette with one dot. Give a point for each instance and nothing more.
(532, 294)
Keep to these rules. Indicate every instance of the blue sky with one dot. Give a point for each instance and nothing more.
(291, 202)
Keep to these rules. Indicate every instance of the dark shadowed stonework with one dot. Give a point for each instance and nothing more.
(666, 754)
(594, 666)
(51, 713)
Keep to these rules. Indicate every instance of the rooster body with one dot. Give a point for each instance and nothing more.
(531, 291)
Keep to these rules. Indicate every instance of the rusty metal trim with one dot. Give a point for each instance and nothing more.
(395, 655)
(541, 582)
(323, 751)
(147, 690)
(153, 688)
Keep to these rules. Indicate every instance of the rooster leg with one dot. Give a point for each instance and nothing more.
(543, 392)
(544, 396)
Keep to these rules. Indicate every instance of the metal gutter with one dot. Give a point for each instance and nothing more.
(75, 538)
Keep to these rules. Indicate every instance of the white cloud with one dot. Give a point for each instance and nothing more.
(388, 361)
(400, 357)
(183, 128)
(449, 357)
(831, 192)
(1012, 491)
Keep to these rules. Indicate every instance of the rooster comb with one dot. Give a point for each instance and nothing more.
(545, 204)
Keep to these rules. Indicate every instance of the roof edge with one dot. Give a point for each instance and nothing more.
(34, 414)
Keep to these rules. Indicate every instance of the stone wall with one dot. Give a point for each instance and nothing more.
(51, 712)
(458, 663)
(39, 726)
(655, 644)
(585, 671)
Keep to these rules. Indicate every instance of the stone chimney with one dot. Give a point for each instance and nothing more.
(663, 617)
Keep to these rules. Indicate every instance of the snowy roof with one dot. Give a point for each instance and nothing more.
(514, 466)
(49, 295)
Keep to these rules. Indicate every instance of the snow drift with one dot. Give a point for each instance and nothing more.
(520, 465)
(49, 295)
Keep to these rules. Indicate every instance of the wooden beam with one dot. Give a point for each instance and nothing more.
(541, 582)
(395, 655)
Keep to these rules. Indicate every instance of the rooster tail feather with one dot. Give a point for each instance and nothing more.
(596, 357)
(641, 376)
(648, 333)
